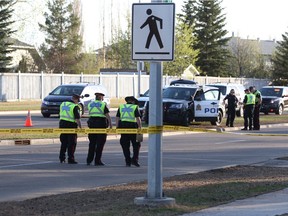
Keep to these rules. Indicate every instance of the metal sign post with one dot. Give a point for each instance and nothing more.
(155, 46)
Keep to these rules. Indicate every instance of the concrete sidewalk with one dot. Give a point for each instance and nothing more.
(270, 204)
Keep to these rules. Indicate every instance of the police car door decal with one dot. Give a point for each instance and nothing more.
(208, 105)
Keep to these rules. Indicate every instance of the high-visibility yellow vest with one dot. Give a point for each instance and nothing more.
(127, 112)
(66, 111)
(250, 99)
(96, 108)
(257, 93)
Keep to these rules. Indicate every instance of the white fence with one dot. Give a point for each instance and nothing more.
(28, 86)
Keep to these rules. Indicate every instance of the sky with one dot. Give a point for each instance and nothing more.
(263, 19)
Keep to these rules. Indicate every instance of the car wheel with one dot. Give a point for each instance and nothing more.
(46, 115)
(240, 112)
(266, 113)
(186, 120)
(280, 110)
(219, 119)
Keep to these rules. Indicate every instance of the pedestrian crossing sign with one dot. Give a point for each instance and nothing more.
(153, 27)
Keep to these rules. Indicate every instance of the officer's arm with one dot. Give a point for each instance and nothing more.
(117, 118)
(77, 116)
(139, 122)
(259, 99)
(109, 120)
(79, 123)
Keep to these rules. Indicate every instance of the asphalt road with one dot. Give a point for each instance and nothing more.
(17, 119)
(34, 170)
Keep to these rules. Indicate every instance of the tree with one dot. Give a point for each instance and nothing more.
(188, 15)
(63, 42)
(280, 63)
(246, 59)
(184, 54)
(119, 53)
(5, 32)
(210, 36)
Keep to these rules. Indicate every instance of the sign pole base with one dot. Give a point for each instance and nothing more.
(164, 201)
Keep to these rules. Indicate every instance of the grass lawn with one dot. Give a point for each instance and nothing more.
(35, 105)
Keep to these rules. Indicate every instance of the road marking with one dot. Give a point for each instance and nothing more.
(230, 141)
(27, 164)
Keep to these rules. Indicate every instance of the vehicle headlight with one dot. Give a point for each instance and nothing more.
(45, 102)
(176, 106)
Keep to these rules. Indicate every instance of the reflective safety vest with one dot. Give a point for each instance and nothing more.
(96, 108)
(257, 93)
(66, 111)
(127, 112)
(250, 99)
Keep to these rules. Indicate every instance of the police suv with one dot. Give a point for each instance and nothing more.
(183, 104)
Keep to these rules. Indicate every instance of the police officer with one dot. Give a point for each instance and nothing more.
(128, 116)
(98, 118)
(69, 118)
(231, 112)
(249, 103)
(258, 101)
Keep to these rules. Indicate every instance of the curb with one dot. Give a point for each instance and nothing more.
(117, 136)
(80, 139)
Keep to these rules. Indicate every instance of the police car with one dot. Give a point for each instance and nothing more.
(183, 104)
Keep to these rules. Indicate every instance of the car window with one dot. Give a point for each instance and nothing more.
(223, 89)
(274, 92)
(146, 94)
(211, 95)
(179, 93)
(67, 90)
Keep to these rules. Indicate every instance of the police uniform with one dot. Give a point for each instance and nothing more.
(69, 114)
(127, 114)
(231, 112)
(97, 119)
(249, 103)
(256, 114)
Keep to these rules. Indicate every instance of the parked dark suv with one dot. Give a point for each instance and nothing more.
(274, 99)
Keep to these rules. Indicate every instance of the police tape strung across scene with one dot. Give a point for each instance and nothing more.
(145, 130)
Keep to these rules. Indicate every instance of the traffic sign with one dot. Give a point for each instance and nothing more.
(153, 27)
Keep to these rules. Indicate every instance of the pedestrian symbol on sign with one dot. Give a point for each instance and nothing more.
(151, 21)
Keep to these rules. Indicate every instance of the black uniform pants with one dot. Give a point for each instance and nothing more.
(256, 118)
(125, 144)
(96, 145)
(68, 142)
(230, 116)
(248, 116)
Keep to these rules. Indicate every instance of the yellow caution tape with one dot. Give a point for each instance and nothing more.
(145, 130)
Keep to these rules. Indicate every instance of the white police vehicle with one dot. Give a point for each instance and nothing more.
(225, 89)
(183, 104)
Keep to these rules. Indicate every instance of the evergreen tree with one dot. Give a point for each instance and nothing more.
(63, 42)
(211, 41)
(188, 15)
(5, 32)
(280, 63)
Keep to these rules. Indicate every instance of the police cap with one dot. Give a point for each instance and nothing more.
(99, 93)
(131, 99)
(76, 96)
